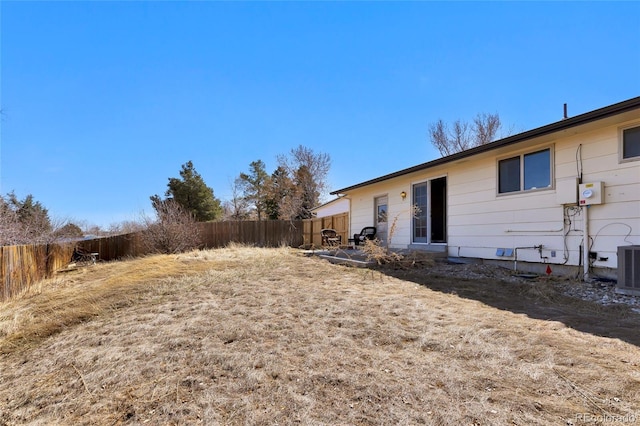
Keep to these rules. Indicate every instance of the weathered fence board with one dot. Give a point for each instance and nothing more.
(312, 228)
(263, 233)
(115, 247)
(22, 266)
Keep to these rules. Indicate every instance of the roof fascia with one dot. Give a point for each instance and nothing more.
(558, 126)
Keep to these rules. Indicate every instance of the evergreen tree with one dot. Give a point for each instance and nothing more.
(191, 192)
(278, 191)
(254, 186)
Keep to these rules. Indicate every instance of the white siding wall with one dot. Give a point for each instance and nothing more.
(480, 221)
(616, 222)
(362, 209)
(333, 207)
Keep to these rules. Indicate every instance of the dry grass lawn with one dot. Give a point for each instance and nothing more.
(268, 336)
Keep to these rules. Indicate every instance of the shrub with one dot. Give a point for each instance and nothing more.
(175, 230)
(380, 252)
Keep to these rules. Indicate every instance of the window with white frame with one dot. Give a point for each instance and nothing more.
(525, 172)
(631, 143)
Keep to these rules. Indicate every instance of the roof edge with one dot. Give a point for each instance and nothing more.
(567, 123)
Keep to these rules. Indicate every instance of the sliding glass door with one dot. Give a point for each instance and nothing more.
(430, 219)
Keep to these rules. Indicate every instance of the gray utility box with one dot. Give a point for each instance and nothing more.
(628, 270)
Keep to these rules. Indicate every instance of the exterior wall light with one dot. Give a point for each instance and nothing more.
(403, 195)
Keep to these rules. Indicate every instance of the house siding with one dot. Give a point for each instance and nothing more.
(332, 208)
(616, 222)
(479, 220)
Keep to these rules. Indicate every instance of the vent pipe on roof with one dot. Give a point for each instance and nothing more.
(565, 112)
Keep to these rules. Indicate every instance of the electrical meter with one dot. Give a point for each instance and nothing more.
(591, 193)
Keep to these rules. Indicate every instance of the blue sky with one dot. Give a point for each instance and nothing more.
(104, 101)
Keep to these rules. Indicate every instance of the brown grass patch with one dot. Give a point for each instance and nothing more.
(266, 336)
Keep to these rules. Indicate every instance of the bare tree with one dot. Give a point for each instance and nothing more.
(237, 208)
(125, 227)
(174, 230)
(309, 172)
(485, 128)
(91, 229)
(463, 135)
(440, 137)
(10, 228)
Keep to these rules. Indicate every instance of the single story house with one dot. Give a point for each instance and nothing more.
(560, 198)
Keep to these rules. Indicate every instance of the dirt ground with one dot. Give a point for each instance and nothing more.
(269, 336)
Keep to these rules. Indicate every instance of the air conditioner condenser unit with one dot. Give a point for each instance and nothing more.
(628, 270)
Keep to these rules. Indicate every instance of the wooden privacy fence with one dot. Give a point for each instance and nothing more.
(23, 266)
(261, 233)
(115, 247)
(312, 228)
(265, 233)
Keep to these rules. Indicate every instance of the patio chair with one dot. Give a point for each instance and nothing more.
(83, 257)
(330, 237)
(367, 233)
